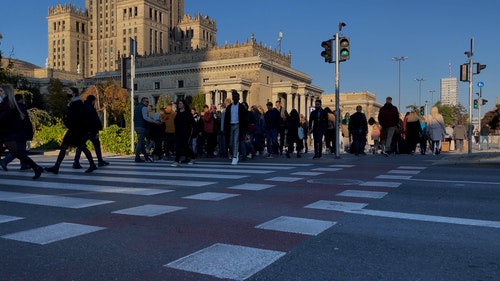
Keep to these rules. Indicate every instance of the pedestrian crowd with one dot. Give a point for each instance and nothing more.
(82, 123)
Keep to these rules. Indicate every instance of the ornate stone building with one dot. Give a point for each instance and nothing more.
(258, 73)
(349, 101)
(177, 54)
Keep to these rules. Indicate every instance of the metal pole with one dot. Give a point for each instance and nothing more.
(132, 76)
(419, 80)
(337, 95)
(399, 84)
(479, 104)
(469, 149)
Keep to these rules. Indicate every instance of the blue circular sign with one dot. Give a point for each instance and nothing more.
(480, 84)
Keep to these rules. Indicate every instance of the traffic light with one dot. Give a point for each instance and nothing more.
(484, 101)
(327, 52)
(464, 72)
(422, 110)
(479, 67)
(476, 104)
(344, 49)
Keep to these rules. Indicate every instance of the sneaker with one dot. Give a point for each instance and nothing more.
(191, 162)
(139, 160)
(235, 161)
(148, 159)
(77, 165)
(269, 156)
(174, 164)
(102, 163)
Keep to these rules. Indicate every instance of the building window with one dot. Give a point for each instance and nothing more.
(180, 84)
(157, 85)
(135, 87)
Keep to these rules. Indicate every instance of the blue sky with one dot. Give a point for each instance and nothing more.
(432, 34)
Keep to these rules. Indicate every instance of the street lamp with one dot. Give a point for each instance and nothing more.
(432, 96)
(419, 80)
(399, 77)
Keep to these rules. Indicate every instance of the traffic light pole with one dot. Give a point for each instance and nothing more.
(479, 104)
(469, 135)
(337, 92)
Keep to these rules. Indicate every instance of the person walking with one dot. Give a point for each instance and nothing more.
(412, 131)
(210, 129)
(272, 121)
(167, 117)
(292, 126)
(184, 126)
(485, 136)
(459, 135)
(358, 128)
(305, 127)
(330, 132)
(318, 121)
(235, 125)
(346, 137)
(76, 135)
(141, 125)
(23, 135)
(282, 129)
(436, 130)
(388, 117)
(373, 135)
(10, 121)
(94, 125)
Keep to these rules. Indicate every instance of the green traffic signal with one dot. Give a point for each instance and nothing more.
(344, 49)
(476, 104)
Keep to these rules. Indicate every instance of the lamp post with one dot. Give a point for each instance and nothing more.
(432, 96)
(419, 80)
(399, 77)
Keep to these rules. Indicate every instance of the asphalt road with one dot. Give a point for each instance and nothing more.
(406, 217)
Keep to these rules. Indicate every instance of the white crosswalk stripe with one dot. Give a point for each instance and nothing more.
(123, 177)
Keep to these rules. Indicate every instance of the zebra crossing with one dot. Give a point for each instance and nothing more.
(127, 178)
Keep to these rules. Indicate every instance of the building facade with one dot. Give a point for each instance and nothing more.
(449, 91)
(258, 73)
(176, 54)
(349, 101)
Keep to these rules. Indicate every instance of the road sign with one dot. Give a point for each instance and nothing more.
(480, 84)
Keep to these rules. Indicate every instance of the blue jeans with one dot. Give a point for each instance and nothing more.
(272, 141)
(21, 148)
(140, 148)
(234, 138)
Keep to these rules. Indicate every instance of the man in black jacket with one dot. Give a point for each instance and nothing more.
(76, 134)
(358, 128)
(236, 124)
(318, 121)
(94, 125)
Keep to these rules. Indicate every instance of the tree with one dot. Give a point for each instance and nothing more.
(197, 102)
(57, 99)
(116, 101)
(492, 118)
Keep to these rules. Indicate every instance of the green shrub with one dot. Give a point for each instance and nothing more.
(115, 139)
(49, 137)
